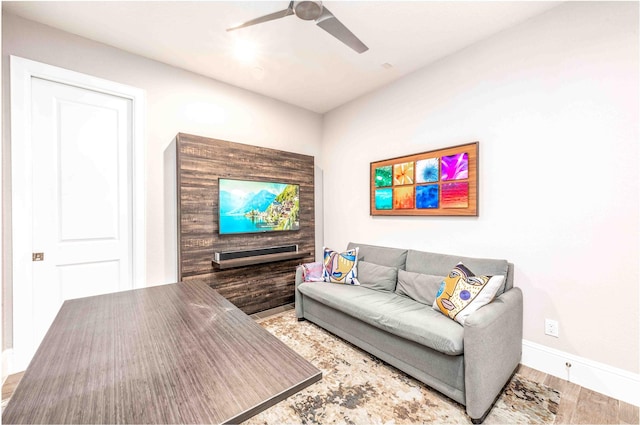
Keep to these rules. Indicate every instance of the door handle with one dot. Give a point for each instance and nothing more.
(37, 256)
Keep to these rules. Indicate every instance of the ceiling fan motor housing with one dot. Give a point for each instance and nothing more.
(308, 10)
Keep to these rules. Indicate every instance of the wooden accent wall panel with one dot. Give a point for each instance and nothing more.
(201, 161)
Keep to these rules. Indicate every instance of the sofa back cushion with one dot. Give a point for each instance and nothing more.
(442, 264)
(384, 256)
(419, 287)
(375, 276)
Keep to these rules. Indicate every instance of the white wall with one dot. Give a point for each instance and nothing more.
(177, 101)
(554, 104)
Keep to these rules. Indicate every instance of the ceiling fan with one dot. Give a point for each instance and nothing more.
(313, 10)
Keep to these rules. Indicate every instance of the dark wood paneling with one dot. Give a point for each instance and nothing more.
(201, 161)
(170, 354)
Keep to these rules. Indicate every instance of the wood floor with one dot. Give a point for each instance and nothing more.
(578, 405)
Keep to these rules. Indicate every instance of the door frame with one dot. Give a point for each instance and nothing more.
(21, 72)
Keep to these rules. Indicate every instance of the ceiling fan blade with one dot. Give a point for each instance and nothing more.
(270, 17)
(333, 26)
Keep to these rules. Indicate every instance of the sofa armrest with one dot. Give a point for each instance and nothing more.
(492, 350)
(299, 272)
(298, 295)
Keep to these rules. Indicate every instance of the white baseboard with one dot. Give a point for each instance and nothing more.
(610, 381)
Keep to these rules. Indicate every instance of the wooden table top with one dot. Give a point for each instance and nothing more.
(178, 353)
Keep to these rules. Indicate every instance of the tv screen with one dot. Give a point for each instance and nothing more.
(257, 206)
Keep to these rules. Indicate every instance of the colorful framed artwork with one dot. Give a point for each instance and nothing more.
(455, 167)
(384, 199)
(439, 182)
(403, 198)
(403, 173)
(427, 170)
(455, 195)
(427, 196)
(383, 176)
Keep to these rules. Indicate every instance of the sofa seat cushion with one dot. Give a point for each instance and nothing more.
(390, 312)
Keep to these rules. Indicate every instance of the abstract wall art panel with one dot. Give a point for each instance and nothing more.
(403, 198)
(455, 167)
(427, 170)
(438, 182)
(455, 195)
(427, 196)
(383, 176)
(384, 199)
(403, 173)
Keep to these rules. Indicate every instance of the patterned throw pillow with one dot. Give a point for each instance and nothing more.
(341, 267)
(312, 272)
(461, 293)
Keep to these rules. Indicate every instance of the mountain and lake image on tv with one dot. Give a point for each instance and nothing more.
(257, 206)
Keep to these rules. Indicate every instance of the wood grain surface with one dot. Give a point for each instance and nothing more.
(178, 353)
(201, 161)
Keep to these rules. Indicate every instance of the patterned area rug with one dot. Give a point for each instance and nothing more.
(357, 388)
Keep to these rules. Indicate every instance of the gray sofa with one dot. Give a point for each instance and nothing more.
(390, 316)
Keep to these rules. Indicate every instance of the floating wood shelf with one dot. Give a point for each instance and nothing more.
(258, 259)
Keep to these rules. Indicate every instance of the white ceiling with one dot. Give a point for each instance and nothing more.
(296, 61)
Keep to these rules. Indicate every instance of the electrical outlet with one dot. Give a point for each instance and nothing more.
(551, 327)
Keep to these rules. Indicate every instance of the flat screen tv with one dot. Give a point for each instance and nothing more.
(257, 206)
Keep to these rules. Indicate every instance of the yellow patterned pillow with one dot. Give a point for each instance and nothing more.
(462, 293)
(341, 267)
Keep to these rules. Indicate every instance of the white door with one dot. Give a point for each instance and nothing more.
(81, 152)
(81, 198)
